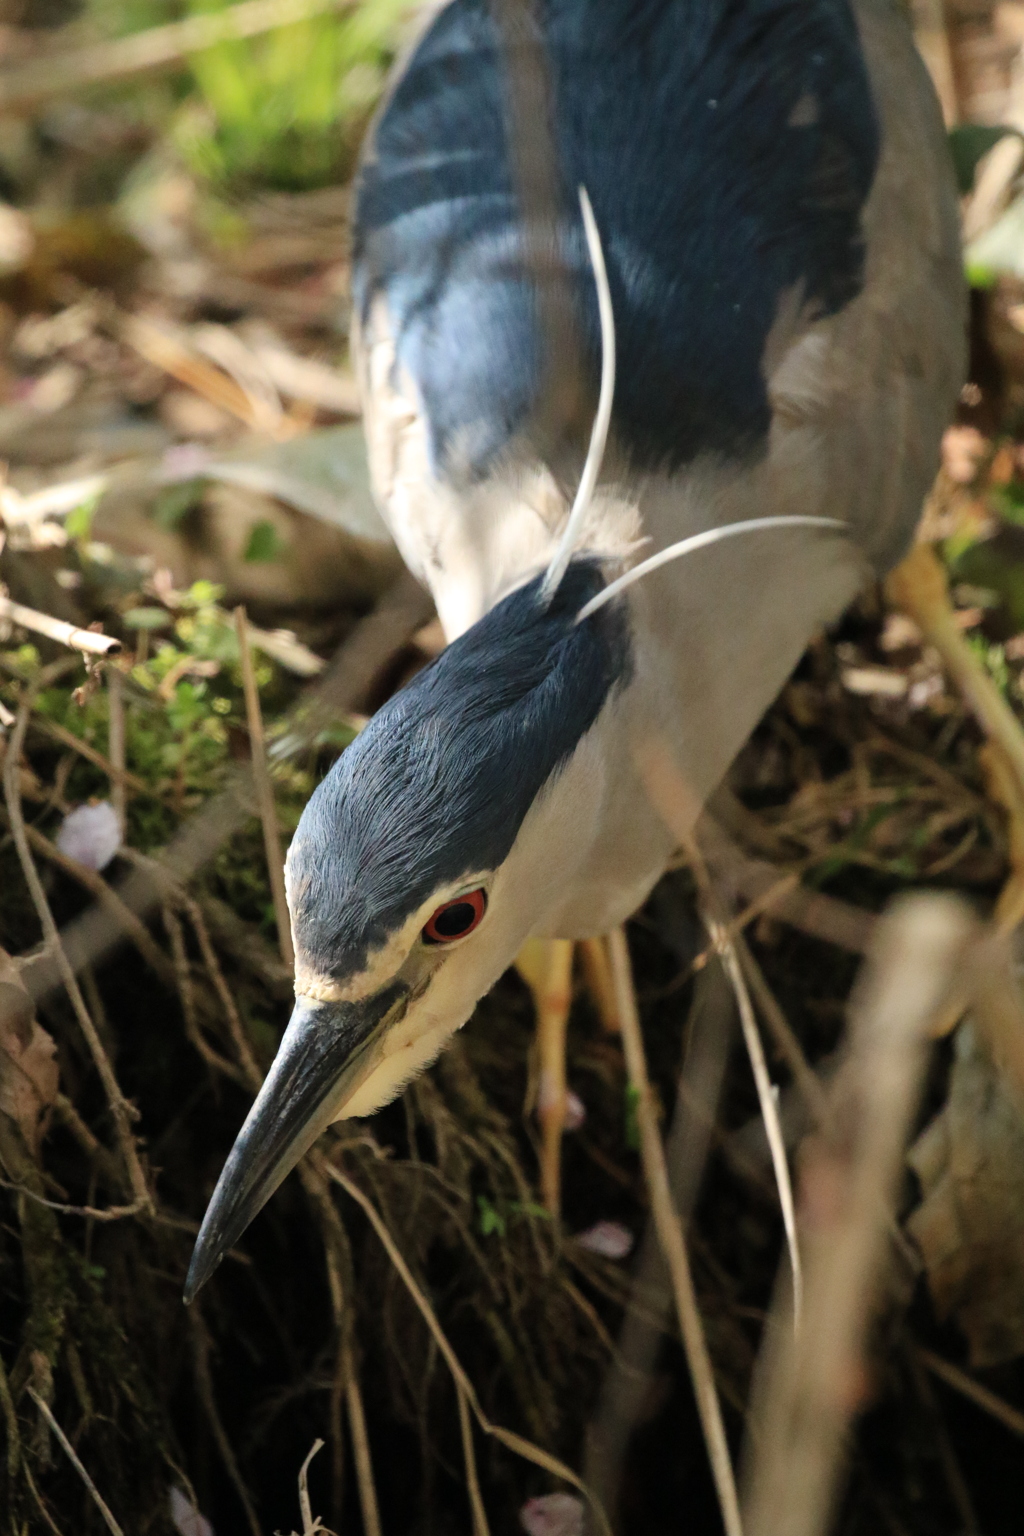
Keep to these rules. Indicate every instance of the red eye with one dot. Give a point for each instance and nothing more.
(455, 918)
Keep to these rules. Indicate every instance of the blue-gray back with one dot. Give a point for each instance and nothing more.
(728, 148)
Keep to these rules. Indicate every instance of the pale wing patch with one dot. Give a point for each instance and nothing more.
(471, 543)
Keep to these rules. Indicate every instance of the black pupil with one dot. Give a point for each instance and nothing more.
(455, 919)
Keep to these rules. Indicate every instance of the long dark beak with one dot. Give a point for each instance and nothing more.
(327, 1050)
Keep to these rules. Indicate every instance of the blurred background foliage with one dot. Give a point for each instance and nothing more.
(287, 111)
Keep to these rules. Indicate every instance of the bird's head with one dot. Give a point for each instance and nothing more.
(440, 840)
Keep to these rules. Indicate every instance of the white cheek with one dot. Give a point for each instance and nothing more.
(398, 1068)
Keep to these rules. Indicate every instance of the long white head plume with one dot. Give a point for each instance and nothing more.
(700, 541)
(599, 432)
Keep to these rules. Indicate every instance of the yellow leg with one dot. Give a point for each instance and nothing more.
(597, 974)
(546, 967)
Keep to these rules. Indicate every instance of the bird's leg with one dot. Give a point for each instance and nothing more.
(597, 975)
(546, 967)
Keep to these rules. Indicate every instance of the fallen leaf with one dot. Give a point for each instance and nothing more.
(968, 1227)
(608, 1238)
(185, 1517)
(90, 834)
(29, 1075)
(553, 1514)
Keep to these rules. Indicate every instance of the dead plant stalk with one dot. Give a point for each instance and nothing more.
(507, 1437)
(671, 1237)
(809, 1379)
(670, 796)
(120, 1109)
(56, 629)
(264, 790)
(69, 1451)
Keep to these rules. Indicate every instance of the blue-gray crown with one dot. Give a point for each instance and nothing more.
(439, 782)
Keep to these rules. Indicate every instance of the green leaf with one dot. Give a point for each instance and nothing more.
(528, 1208)
(146, 618)
(176, 502)
(265, 543)
(491, 1219)
(78, 523)
(998, 249)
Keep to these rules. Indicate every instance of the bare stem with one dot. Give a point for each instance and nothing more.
(56, 629)
(120, 1109)
(71, 1454)
(361, 1448)
(670, 1233)
(669, 794)
(115, 743)
(809, 1381)
(516, 1443)
(264, 791)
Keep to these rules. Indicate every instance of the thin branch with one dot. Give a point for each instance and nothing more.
(56, 629)
(93, 882)
(204, 1386)
(708, 1033)
(671, 1236)
(769, 1105)
(305, 1509)
(476, 1503)
(522, 1447)
(116, 743)
(361, 1447)
(669, 795)
(239, 1039)
(121, 1110)
(94, 1213)
(40, 1501)
(69, 1451)
(194, 1034)
(804, 1075)
(264, 791)
(973, 1390)
(808, 1387)
(11, 1421)
(116, 775)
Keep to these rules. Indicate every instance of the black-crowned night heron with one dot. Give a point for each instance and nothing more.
(770, 186)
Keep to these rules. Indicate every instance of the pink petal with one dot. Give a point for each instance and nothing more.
(608, 1238)
(553, 1514)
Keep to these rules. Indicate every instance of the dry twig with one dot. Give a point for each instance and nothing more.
(116, 744)
(72, 1455)
(630, 1375)
(672, 1241)
(121, 1110)
(76, 639)
(809, 1379)
(516, 1443)
(973, 1390)
(670, 797)
(264, 791)
(204, 1387)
